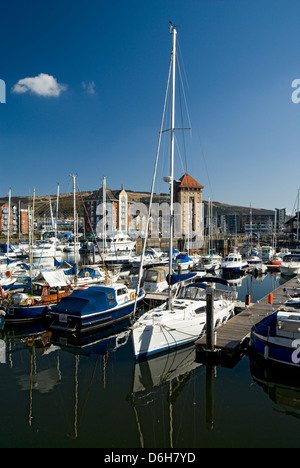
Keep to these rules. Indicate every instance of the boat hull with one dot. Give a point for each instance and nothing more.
(24, 314)
(149, 339)
(233, 270)
(274, 349)
(80, 323)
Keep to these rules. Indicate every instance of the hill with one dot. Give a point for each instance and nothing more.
(42, 206)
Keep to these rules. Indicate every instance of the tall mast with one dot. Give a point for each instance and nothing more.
(104, 214)
(298, 216)
(8, 232)
(56, 217)
(74, 209)
(174, 32)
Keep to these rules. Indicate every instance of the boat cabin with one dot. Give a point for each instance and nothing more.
(155, 279)
(47, 288)
(288, 325)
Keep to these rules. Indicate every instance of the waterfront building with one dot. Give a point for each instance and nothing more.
(281, 218)
(188, 194)
(8, 220)
(262, 224)
(111, 205)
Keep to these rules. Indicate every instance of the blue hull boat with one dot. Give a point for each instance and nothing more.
(31, 304)
(277, 338)
(234, 263)
(98, 307)
(24, 314)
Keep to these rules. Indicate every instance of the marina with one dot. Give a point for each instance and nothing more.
(149, 319)
(61, 391)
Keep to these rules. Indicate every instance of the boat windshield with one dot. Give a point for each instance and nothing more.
(194, 293)
(151, 276)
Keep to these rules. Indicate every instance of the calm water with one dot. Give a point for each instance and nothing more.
(56, 393)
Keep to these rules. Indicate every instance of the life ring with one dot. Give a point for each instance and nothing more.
(132, 295)
(8, 274)
(86, 274)
(29, 302)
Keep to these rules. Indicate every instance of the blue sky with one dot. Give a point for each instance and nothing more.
(109, 60)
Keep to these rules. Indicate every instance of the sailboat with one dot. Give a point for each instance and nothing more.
(181, 320)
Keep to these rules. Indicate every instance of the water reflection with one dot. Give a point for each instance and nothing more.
(61, 391)
(41, 363)
(160, 381)
(281, 386)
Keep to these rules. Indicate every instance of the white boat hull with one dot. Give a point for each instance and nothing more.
(151, 336)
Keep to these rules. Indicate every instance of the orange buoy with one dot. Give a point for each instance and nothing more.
(270, 298)
(248, 299)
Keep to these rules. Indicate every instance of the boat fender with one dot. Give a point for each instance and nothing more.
(8, 274)
(29, 302)
(132, 295)
(248, 299)
(3, 294)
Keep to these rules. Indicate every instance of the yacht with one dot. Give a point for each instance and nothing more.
(119, 242)
(290, 265)
(234, 263)
(182, 319)
(165, 328)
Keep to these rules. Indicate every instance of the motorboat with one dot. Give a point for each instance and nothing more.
(155, 279)
(97, 307)
(48, 288)
(152, 257)
(71, 246)
(267, 253)
(11, 251)
(256, 266)
(122, 258)
(118, 242)
(276, 338)
(89, 275)
(290, 265)
(234, 263)
(183, 261)
(211, 262)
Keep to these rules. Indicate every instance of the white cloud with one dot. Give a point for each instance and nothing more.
(89, 87)
(42, 85)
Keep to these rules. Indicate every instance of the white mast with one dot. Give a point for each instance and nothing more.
(298, 216)
(104, 214)
(8, 232)
(51, 213)
(56, 217)
(75, 217)
(174, 32)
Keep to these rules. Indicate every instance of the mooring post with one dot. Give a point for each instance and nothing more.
(210, 319)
